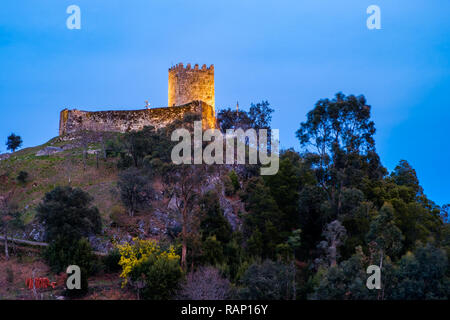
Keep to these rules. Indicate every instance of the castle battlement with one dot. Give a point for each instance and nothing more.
(180, 67)
(188, 84)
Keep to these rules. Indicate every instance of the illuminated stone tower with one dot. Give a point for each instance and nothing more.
(190, 84)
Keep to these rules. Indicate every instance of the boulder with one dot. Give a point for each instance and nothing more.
(48, 151)
(4, 156)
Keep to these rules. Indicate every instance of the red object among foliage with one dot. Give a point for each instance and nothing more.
(39, 283)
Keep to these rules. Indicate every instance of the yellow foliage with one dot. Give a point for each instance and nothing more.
(132, 255)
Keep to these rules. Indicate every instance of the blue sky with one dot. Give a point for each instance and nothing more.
(291, 53)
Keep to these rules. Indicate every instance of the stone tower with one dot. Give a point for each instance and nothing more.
(190, 84)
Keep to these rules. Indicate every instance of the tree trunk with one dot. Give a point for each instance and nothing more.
(184, 241)
(184, 249)
(380, 297)
(6, 246)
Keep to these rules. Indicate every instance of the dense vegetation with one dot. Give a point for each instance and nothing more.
(308, 232)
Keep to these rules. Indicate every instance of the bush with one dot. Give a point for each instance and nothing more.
(22, 177)
(204, 284)
(117, 216)
(231, 183)
(61, 253)
(228, 186)
(9, 275)
(111, 261)
(153, 272)
(234, 180)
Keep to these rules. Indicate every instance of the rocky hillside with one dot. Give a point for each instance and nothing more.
(60, 162)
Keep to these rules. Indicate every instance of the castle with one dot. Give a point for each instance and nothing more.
(191, 90)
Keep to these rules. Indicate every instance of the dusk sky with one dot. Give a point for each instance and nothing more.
(291, 53)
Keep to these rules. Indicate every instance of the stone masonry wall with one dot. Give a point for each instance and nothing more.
(129, 120)
(190, 84)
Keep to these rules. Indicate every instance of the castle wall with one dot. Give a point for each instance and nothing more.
(191, 84)
(129, 120)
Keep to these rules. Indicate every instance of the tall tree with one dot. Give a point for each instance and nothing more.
(343, 154)
(13, 142)
(10, 217)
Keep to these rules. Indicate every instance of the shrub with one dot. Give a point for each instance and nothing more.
(9, 275)
(117, 216)
(22, 177)
(205, 284)
(234, 180)
(153, 272)
(111, 261)
(61, 253)
(228, 186)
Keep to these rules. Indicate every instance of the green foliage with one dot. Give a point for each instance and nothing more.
(67, 213)
(346, 281)
(135, 190)
(422, 275)
(228, 185)
(213, 221)
(262, 223)
(383, 231)
(13, 142)
(285, 187)
(234, 180)
(62, 252)
(155, 273)
(111, 261)
(212, 251)
(22, 177)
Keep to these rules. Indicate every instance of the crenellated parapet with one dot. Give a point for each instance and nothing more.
(189, 83)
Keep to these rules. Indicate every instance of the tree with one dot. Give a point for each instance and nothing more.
(385, 234)
(10, 217)
(422, 275)
(260, 115)
(213, 221)
(343, 154)
(230, 119)
(13, 142)
(335, 236)
(66, 212)
(262, 216)
(285, 189)
(183, 185)
(206, 283)
(405, 175)
(135, 190)
(346, 281)
(69, 218)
